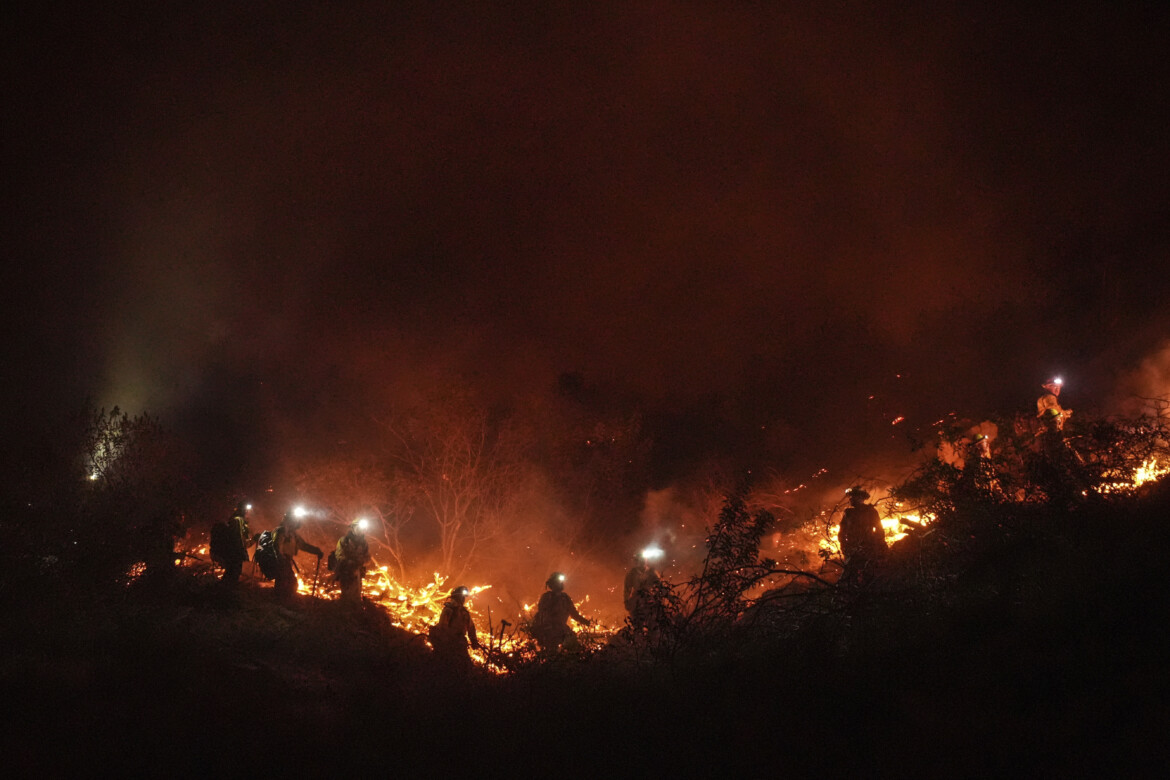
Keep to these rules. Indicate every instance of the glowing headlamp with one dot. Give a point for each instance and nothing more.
(560, 578)
(652, 553)
(247, 507)
(363, 524)
(299, 512)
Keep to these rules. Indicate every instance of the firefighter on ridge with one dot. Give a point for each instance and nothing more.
(639, 589)
(861, 536)
(455, 630)
(352, 557)
(288, 543)
(230, 541)
(550, 626)
(1051, 414)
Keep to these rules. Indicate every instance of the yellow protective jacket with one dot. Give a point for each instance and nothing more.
(455, 628)
(289, 543)
(353, 550)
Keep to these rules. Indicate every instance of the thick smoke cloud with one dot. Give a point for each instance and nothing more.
(762, 215)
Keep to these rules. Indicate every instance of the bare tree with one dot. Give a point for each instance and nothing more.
(458, 466)
(138, 490)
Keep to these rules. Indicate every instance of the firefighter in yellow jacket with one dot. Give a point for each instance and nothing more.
(1048, 409)
(230, 542)
(288, 544)
(353, 558)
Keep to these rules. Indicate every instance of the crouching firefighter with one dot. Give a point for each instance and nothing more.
(350, 559)
(288, 542)
(455, 630)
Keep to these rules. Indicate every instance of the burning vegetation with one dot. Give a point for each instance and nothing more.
(751, 575)
(734, 564)
(983, 525)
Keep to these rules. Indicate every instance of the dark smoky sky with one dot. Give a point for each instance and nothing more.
(761, 211)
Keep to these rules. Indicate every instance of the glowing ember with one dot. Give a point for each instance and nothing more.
(1151, 470)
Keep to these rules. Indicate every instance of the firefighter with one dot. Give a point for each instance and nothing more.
(550, 627)
(230, 542)
(1048, 408)
(640, 589)
(861, 536)
(455, 630)
(288, 543)
(1058, 468)
(978, 470)
(353, 558)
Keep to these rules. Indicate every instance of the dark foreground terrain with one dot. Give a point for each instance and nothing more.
(1023, 644)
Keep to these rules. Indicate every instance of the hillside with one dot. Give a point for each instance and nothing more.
(1029, 642)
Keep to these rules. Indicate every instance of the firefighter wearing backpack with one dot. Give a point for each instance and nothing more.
(230, 542)
(352, 558)
(288, 543)
(455, 630)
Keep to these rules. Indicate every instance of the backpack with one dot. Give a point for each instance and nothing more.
(267, 555)
(221, 542)
(440, 633)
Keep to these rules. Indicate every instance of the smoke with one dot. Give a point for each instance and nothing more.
(657, 216)
(789, 238)
(1137, 390)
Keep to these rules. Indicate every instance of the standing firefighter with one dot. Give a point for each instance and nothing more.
(455, 630)
(288, 542)
(1048, 409)
(640, 590)
(550, 627)
(230, 541)
(352, 558)
(861, 536)
(978, 479)
(1057, 468)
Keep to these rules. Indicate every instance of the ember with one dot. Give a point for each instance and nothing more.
(1151, 470)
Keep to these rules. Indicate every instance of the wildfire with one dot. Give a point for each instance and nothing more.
(416, 609)
(1152, 469)
(413, 608)
(898, 524)
(895, 526)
